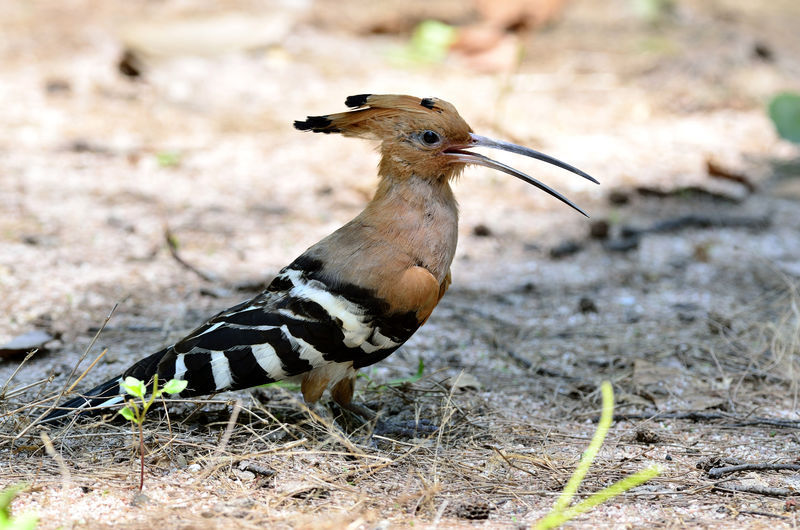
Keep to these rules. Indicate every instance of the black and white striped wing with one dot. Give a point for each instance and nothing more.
(297, 324)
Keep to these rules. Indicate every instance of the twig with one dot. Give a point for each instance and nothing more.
(763, 514)
(756, 490)
(537, 370)
(172, 245)
(78, 380)
(27, 357)
(683, 222)
(226, 436)
(48, 447)
(716, 170)
(721, 471)
(17, 391)
(257, 469)
(72, 373)
(703, 416)
(504, 457)
(237, 407)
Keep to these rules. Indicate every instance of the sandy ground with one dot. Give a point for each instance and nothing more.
(695, 317)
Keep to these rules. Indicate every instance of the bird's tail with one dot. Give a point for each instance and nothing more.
(92, 402)
(110, 393)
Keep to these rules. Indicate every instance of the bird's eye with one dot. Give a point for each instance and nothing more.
(430, 138)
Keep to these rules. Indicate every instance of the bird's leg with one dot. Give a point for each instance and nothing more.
(342, 393)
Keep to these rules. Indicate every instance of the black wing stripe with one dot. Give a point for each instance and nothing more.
(287, 352)
(199, 374)
(297, 324)
(245, 369)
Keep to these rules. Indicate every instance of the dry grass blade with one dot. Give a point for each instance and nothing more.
(3, 394)
(74, 369)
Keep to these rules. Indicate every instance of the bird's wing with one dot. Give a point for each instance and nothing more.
(297, 324)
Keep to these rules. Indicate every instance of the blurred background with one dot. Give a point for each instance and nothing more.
(128, 124)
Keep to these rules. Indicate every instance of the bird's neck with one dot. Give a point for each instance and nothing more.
(419, 217)
(410, 222)
(416, 193)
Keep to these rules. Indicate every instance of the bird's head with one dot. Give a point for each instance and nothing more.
(424, 137)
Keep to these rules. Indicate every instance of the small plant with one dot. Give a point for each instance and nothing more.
(396, 382)
(135, 412)
(784, 111)
(562, 511)
(26, 521)
(168, 158)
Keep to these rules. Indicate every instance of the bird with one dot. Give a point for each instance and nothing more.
(360, 293)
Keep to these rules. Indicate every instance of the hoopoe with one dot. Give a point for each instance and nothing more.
(355, 297)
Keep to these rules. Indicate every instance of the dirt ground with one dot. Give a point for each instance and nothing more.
(690, 306)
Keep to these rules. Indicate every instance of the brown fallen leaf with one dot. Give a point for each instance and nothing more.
(717, 170)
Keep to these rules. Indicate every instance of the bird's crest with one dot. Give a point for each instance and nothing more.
(426, 138)
(385, 116)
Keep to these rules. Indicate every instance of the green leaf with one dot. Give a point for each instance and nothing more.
(134, 387)
(287, 385)
(6, 496)
(562, 511)
(431, 40)
(174, 386)
(784, 111)
(168, 158)
(128, 414)
(420, 368)
(27, 521)
(429, 44)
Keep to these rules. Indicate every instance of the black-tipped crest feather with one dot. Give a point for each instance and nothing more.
(359, 100)
(321, 124)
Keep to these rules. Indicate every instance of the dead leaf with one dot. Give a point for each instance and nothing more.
(463, 381)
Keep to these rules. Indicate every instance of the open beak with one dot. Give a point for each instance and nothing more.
(460, 154)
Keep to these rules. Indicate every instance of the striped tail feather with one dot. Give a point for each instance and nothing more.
(96, 400)
(93, 402)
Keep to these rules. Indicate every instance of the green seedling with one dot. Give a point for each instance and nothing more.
(286, 385)
(396, 382)
(135, 412)
(168, 158)
(413, 379)
(26, 521)
(562, 511)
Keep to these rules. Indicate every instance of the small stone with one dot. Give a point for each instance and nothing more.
(618, 197)
(567, 248)
(140, 499)
(599, 229)
(623, 244)
(474, 511)
(22, 344)
(481, 230)
(56, 86)
(763, 52)
(194, 468)
(129, 65)
(646, 436)
(587, 305)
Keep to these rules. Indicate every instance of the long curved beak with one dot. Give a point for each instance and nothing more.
(460, 154)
